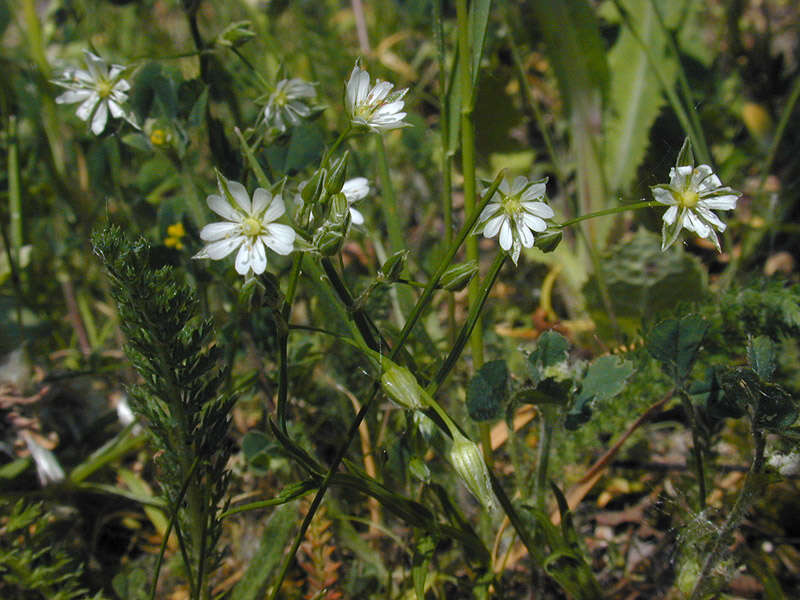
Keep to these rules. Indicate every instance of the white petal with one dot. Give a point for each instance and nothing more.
(694, 223)
(245, 257)
(493, 226)
(355, 189)
(72, 96)
(217, 231)
(356, 218)
(679, 178)
(533, 222)
(506, 239)
(279, 238)
(240, 195)
(540, 209)
(116, 110)
(721, 202)
(274, 211)
(518, 184)
(85, 110)
(258, 257)
(534, 192)
(222, 248)
(223, 208)
(504, 187)
(261, 200)
(710, 218)
(703, 179)
(663, 194)
(100, 118)
(525, 235)
(379, 91)
(669, 216)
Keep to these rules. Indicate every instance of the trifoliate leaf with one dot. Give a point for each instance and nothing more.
(551, 349)
(676, 342)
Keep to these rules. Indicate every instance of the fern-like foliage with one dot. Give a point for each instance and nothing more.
(179, 396)
(32, 566)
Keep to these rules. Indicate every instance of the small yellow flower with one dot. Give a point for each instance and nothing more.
(175, 234)
(159, 137)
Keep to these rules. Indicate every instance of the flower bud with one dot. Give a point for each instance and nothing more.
(393, 267)
(456, 277)
(236, 34)
(335, 180)
(401, 386)
(329, 239)
(467, 460)
(314, 187)
(549, 240)
(340, 210)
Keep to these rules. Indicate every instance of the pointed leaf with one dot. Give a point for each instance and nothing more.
(676, 342)
(761, 354)
(487, 391)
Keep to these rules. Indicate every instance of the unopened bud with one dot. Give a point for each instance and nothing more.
(340, 210)
(393, 267)
(236, 34)
(456, 277)
(335, 180)
(313, 188)
(549, 240)
(468, 462)
(401, 386)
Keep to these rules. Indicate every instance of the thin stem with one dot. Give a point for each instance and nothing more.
(412, 320)
(543, 454)
(738, 512)
(608, 211)
(697, 449)
(674, 101)
(342, 137)
(447, 158)
(684, 82)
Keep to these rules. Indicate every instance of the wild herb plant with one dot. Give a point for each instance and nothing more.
(345, 327)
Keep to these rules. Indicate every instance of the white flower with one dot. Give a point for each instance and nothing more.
(249, 227)
(373, 107)
(47, 466)
(515, 212)
(354, 190)
(100, 90)
(285, 107)
(691, 194)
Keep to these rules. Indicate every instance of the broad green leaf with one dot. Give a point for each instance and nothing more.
(551, 349)
(256, 446)
(675, 342)
(771, 407)
(276, 536)
(643, 281)
(635, 96)
(604, 379)
(487, 391)
(151, 88)
(762, 356)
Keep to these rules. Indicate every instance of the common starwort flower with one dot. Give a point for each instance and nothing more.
(376, 108)
(691, 194)
(354, 190)
(515, 212)
(249, 226)
(286, 106)
(100, 89)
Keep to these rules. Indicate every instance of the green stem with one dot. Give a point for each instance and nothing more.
(473, 318)
(697, 449)
(416, 313)
(738, 512)
(468, 170)
(543, 455)
(608, 211)
(447, 158)
(342, 136)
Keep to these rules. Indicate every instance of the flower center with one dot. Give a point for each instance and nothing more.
(251, 227)
(104, 88)
(512, 205)
(688, 198)
(158, 137)
(280, 98)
